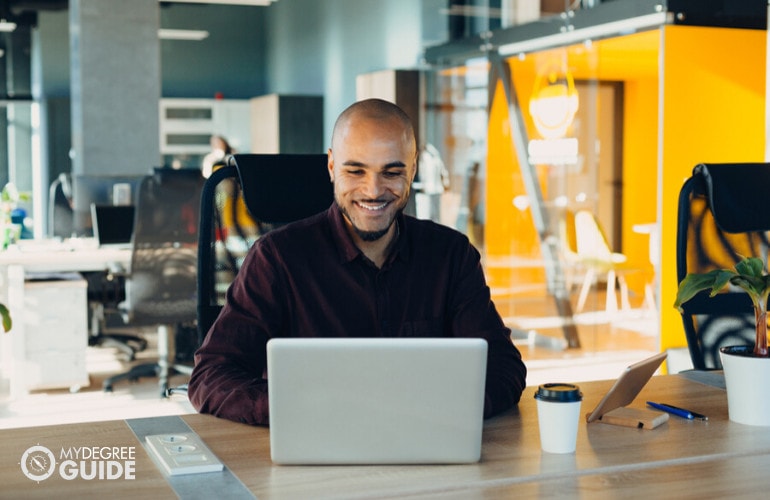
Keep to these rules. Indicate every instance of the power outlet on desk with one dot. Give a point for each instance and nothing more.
(182, 453)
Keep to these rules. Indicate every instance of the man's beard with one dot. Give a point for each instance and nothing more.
(369, 235)
(373, 235)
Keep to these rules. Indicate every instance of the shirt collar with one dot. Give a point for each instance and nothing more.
(348, 251)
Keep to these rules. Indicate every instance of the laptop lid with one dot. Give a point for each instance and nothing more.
(113, 224)
(375, 400)
(627, 386)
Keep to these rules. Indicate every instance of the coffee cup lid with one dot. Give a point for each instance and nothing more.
(558, 392)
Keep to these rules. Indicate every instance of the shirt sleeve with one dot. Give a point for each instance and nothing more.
(475, 315)
(228, 380)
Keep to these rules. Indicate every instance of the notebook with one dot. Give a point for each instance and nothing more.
(113, 225)
(627, 386)
(375, 400)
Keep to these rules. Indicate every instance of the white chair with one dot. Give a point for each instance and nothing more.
(594, 254)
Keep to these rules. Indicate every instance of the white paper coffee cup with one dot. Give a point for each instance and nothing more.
(558, 414)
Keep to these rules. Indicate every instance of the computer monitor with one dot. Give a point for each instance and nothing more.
(113, 224)
(98, 189)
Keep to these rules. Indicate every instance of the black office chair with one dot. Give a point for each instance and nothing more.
(106, 291)
(723, 215)
(246, 197)
(161, 284)
(276, 189)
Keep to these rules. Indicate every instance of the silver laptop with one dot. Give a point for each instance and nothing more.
(113, 225)
(375, 400)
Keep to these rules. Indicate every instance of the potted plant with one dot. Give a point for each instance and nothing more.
(5, 316)
(743, 366)
(9, 198)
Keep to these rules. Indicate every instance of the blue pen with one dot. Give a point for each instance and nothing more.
(679, 412)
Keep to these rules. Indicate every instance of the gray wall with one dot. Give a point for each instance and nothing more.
(320, 46)
(231, 60)
(315, 47)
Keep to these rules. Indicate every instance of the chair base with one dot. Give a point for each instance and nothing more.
(148, 370)
(125, 343)
(162, 369)
(128, 345)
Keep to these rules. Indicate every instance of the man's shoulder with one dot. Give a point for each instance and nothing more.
(427, 233)
(299, 230)
(424, 228)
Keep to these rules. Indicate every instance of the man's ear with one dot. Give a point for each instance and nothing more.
(330, 164)
(414, 168)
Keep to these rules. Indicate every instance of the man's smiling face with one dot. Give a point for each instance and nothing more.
(372, 163)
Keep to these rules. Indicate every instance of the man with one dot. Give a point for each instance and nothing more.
(360, 269)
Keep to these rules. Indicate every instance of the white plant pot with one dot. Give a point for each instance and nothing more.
(746, 401)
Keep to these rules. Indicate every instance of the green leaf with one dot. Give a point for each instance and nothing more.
(750, 277)
(753, 286)
(752, 266)
(694, 283)
(6, 317)
(723, 277)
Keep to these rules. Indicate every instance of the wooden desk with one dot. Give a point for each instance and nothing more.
(736, 477)
(680, 456)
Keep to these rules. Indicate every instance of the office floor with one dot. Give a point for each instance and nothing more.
(89, 404)
(608, 345)
(608, 341)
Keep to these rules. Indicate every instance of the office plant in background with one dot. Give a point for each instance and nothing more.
(9, 204)
(9, 199)
(6, 318)
(744, 366)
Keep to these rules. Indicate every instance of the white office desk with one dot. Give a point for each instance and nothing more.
(68, 299)
(67, 256)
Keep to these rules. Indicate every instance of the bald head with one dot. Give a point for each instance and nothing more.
(376, 110)
(372, 163)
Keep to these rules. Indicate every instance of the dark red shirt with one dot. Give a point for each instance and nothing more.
(308, 279)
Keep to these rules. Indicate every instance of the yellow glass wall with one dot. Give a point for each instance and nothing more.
(689, 95)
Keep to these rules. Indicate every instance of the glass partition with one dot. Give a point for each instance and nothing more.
(556, 166)
(540, 148)
(456, 117)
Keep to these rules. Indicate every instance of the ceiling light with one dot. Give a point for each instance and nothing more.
(171, 34)
(554, 100)
(256, 3)
(7, 26)
(472, 11)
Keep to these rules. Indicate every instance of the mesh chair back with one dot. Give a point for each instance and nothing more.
(161, 286)
(723, 216)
